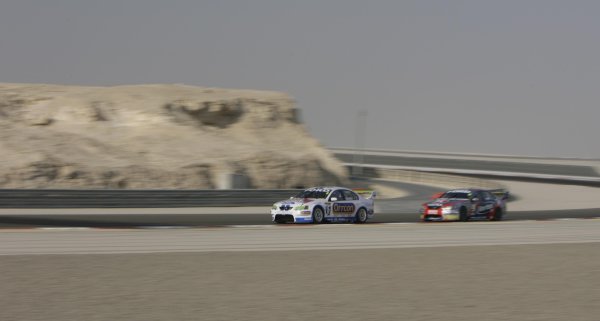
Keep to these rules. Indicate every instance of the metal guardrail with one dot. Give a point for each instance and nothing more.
(499, 167)
(64, 198)
(46, 198)
(425, 178)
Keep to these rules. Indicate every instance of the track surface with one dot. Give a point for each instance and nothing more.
(359, 272)
(125, 219)
(400, 210)
(514, 270)
(296, 237)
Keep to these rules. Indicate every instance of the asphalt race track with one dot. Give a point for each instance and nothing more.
(296, 237)
(399, 210)
(234, 264)
(521, 270)
(125, 219)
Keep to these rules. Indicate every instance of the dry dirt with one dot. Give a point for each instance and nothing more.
(156, 136)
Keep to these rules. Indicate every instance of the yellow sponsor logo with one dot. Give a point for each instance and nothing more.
(343, 208)
(451, 217)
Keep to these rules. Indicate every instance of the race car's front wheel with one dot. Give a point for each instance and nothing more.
(318, 216)
(361, 216)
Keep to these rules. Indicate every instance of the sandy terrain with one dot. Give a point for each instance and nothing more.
(156, 136)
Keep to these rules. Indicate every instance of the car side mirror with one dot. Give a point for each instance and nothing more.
(333, 199)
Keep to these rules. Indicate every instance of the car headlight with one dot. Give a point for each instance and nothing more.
(301, 207)
(274, 207)
(447, 209)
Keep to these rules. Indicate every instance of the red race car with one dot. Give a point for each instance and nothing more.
(465, 204)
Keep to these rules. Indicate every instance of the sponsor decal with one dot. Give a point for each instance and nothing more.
(451, 217)
(326, 190)
(343, 208)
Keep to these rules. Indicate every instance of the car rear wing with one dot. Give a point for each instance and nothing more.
(366, 193)
(501, 193)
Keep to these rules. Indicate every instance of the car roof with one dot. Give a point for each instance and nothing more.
(464, 190)
(326, 188)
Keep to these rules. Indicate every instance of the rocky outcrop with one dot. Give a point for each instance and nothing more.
(156, 136)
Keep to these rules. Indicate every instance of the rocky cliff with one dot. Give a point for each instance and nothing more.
(156, 136)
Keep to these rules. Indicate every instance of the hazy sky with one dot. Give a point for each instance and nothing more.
(508, 77)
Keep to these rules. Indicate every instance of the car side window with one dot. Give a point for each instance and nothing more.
(350, 195)
(338, 194)
(487, 196)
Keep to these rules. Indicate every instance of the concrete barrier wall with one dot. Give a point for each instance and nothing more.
(441, 180)
(445, 181)
(139, 198)
(15, 198)
(563, 171)
(227, 197)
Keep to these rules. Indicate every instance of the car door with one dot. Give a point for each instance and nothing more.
(476, 203)
(353, 198)
(485, 203)
(341, 208)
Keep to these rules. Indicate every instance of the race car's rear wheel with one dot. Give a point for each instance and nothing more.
(318, 216)
(497, 214)
(361, 216)
(463, 216)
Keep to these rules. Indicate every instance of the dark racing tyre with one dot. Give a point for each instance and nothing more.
(318, 215)
(463, 216)
(497, 215)
(361, 216)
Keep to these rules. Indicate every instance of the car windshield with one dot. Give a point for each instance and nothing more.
(312, 193)
(455, 195)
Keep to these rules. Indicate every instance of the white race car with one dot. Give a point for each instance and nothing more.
(326, 204)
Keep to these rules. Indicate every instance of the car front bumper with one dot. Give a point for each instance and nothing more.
(439, 215)
(290, 217)
(443, 217)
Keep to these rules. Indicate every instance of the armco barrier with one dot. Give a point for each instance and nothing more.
(46, 198)
(425, 178)
(523, 167)
(64, 198)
